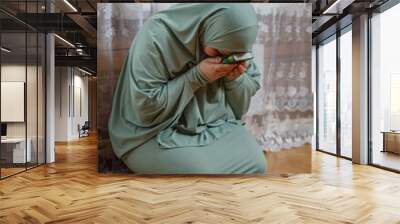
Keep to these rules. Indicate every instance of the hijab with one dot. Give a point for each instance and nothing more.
(161, 93)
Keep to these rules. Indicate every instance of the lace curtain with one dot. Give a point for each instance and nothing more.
(281, 112)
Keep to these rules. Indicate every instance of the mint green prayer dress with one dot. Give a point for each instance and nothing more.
(166, 117)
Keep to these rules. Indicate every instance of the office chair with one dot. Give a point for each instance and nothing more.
(84, 130)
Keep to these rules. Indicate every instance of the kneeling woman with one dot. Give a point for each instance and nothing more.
(177, 107)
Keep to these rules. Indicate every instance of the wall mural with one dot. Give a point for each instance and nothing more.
(281, 112)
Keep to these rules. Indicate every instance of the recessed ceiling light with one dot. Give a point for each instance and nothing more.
(64, 40)
(70, 5)
(84, 71)
(5, 50)
(338, 6)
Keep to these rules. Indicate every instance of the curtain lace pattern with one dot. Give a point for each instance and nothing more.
(281, 113)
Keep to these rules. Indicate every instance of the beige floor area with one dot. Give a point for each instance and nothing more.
(71, 191)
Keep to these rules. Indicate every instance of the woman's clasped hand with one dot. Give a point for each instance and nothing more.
(213, 69)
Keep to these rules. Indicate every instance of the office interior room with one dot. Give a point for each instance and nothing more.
(30, 104)
(49, 158)
(335, 74)
(22, 99)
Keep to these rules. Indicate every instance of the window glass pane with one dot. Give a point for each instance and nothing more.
(31, 87)
(346, 94)
(31, 97)
(327, 96)
(15, 150)
(385, 92)
(313, 86)
(22, 87)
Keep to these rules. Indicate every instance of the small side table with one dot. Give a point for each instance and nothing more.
(391, 141)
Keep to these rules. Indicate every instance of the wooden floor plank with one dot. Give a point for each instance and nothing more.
(71, 191)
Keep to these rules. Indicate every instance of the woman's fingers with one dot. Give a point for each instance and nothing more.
(215, 60)
(245, 64)
(235, 73)
(224, 68)
(213, 69)
(241, 69)
(233, 76)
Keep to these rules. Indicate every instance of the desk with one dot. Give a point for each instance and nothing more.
(13, 150)
(391, 141)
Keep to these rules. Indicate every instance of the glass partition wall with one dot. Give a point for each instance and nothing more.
(327, 95)
(345, 91)
(385, 90)
(334, 94)
(22, 88)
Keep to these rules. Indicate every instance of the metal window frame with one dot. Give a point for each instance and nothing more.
(44, 74)
(339, 32)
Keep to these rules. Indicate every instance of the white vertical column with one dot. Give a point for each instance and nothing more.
(50, 92)
(50, 99)
(360, 90)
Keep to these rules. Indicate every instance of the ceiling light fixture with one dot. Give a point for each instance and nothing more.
(70, 5)
(84, 71)
(80, 51)
(5, 50)
(337, 7)
(65, 41)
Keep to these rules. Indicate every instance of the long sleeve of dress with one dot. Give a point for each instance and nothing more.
(239, 91)
(162, 99)
(148, 99)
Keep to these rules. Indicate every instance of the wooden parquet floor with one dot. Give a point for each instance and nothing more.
(71, 191)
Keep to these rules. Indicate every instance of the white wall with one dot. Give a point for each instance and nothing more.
(34, 125)
(12, 73)
(71, 94)
(13, 101)
(62, 81)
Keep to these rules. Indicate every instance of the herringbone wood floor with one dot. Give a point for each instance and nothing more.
(71, 191)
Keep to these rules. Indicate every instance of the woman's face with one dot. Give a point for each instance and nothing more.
(212, 52)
